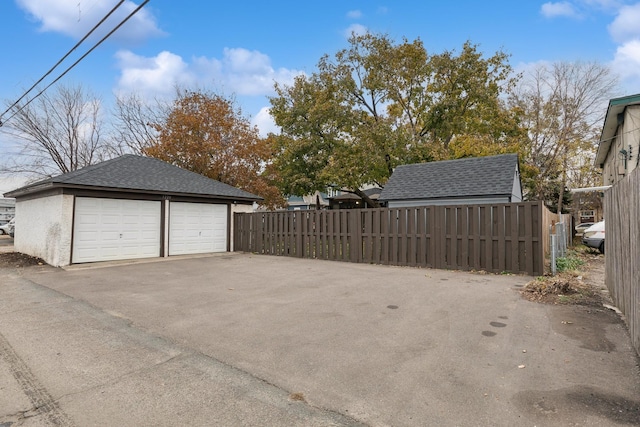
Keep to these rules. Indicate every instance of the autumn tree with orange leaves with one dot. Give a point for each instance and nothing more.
(205, 133)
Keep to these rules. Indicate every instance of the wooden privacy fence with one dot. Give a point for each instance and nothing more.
(622, 250)
(496, 238)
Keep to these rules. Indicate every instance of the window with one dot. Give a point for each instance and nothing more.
(587, 214)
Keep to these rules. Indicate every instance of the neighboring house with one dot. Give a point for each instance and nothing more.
(352, 200)
(7, 210)
(125, 208)
(588, 215)
(493, 179)
(317, 200)
(620, 139)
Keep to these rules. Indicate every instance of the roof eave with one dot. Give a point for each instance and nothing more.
(30, 189)
(610, 126)
(25, 191)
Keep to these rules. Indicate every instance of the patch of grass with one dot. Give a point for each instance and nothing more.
(569, 263)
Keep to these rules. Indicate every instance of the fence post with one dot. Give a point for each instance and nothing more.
(355, 238)
(554, 245)
(553, 254)
(562, 235)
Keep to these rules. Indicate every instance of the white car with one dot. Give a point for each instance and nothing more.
(582, 226)
(594, 236)
(8, 227)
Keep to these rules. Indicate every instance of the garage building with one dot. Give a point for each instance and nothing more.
(126, 208)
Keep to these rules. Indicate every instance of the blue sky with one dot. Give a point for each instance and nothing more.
(241, 48)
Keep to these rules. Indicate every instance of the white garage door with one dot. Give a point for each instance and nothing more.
(196, 228)
(113, 229)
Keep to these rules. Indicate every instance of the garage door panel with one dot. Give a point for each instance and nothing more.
(112, 229)
(197, 228)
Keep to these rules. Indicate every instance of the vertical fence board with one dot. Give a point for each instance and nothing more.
(422, 237)
(499, 223)
(430, 214)
(377, 237)
(402, 236)
(488, 238)
(528, 217)
(463, 232)
(514, 238)
(438, 233)
(474, 230)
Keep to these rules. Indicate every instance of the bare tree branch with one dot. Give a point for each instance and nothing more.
(58, 133)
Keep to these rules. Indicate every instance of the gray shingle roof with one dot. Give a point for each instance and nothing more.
(138, 173)
(477, 176)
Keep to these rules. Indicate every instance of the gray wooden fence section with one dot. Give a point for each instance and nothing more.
(495, 238)
(622, 250)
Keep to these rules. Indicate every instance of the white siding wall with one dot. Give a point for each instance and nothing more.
(516, 193)
(43, 228)
(237, 209)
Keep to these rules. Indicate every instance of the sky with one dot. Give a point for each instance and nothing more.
(241, 49)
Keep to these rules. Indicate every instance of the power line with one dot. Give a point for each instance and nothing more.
(75, 63)
(62, 59)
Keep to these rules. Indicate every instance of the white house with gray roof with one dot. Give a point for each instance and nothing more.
(476, 180)
(126, 208)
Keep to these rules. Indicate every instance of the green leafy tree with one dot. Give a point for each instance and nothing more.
(378, 104)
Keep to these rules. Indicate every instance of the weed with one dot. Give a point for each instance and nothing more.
(569, 263)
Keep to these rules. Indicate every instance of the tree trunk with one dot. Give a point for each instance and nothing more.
(563, 184)
(368, 200)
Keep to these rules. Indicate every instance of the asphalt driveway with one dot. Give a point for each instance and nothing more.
(239, 339)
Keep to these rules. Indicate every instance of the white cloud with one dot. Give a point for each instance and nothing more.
(354, 14)
(626, 26)
(155, 76)
(627, 64)
(265, 122)
(356, 29)
(76, 18)
(552, 10)
(240, 71)
(603, 4)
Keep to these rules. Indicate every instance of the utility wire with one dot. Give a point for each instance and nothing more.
(63, 58)
(78, 61)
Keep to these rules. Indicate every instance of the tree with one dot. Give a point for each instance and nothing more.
(58, 132)
(134, 120)
(205, 133)
(563, 105)
(378, 104)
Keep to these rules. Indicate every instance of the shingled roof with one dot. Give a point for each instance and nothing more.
(138, 174)
(469, 177)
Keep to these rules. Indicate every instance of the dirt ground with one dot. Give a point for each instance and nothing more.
(18, 260)
(582, 286)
